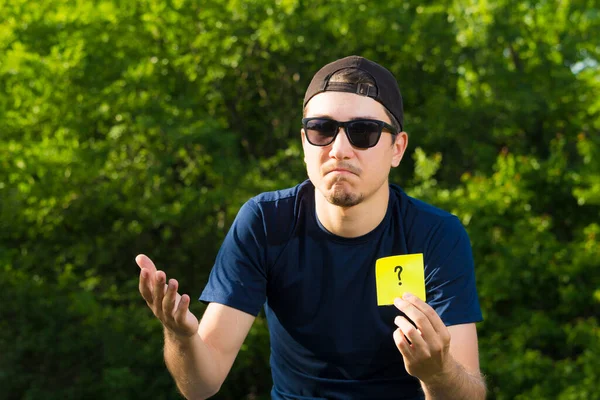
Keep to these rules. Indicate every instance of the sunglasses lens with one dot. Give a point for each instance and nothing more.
(364, 134)
(320, 132)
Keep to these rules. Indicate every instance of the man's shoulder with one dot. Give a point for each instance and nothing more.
(414, 206)
(277, 213)
(277, 198)
(424, 219)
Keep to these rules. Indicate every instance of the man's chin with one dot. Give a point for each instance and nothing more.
(343, 198)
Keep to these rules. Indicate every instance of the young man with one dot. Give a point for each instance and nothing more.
(308, 253)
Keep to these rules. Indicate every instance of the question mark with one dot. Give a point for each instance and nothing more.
(399, 269)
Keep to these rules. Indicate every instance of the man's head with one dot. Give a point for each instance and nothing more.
(350, 163)
(363, 77)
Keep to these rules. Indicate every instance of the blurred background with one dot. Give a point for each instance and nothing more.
(142, 126)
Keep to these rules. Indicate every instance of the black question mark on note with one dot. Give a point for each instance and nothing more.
(399, 269)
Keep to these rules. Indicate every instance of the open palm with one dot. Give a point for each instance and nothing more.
(171, 308)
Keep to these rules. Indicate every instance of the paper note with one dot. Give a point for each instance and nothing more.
(398, 274)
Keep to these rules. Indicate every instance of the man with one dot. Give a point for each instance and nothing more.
(307, 254)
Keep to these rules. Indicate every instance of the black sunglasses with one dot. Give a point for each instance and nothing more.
(362, 133)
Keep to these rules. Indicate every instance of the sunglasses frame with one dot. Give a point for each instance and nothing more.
(339, 124)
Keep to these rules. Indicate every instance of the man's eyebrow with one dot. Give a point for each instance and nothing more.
(321, 116)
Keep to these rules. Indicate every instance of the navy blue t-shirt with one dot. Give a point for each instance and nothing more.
(329, 339)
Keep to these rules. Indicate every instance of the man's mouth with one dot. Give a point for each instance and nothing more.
(343, 169)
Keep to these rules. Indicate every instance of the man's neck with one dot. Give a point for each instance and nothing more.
(353, 221)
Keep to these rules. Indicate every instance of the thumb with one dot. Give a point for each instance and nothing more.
(144, 262)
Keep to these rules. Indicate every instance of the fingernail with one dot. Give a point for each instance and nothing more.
(407, 296)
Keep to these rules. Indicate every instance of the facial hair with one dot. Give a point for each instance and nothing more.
(341, 197)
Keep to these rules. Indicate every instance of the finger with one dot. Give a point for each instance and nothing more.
(145, 285)
(160, 286)
(416, 316)
(402, 344)
(434, 319)
(182, 309)
(412, 334)
(144, 261)
(168, 303)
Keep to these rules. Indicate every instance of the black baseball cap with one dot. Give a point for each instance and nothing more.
(385, 91)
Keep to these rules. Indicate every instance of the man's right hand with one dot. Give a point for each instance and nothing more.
(169, 307)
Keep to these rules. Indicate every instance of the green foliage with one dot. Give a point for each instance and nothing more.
(142, 126)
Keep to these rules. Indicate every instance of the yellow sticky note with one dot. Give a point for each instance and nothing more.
(398, 274)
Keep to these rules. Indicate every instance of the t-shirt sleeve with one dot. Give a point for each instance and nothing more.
(238, 278)
(450, 274)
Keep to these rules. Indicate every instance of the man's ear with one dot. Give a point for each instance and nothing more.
(399, 147)
(303, 137)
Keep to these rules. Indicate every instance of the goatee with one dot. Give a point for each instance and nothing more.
(343, 198)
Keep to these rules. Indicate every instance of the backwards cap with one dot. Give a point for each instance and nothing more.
(385, 91)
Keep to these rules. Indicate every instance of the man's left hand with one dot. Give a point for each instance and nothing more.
(427, 355)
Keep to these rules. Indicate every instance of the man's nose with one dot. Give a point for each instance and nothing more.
(341, 148)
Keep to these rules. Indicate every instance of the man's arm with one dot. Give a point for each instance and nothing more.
(198, 355)
(200, 364)
(463, 379)
(445, 359)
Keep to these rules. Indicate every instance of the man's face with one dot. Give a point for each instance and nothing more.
(343, 174)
